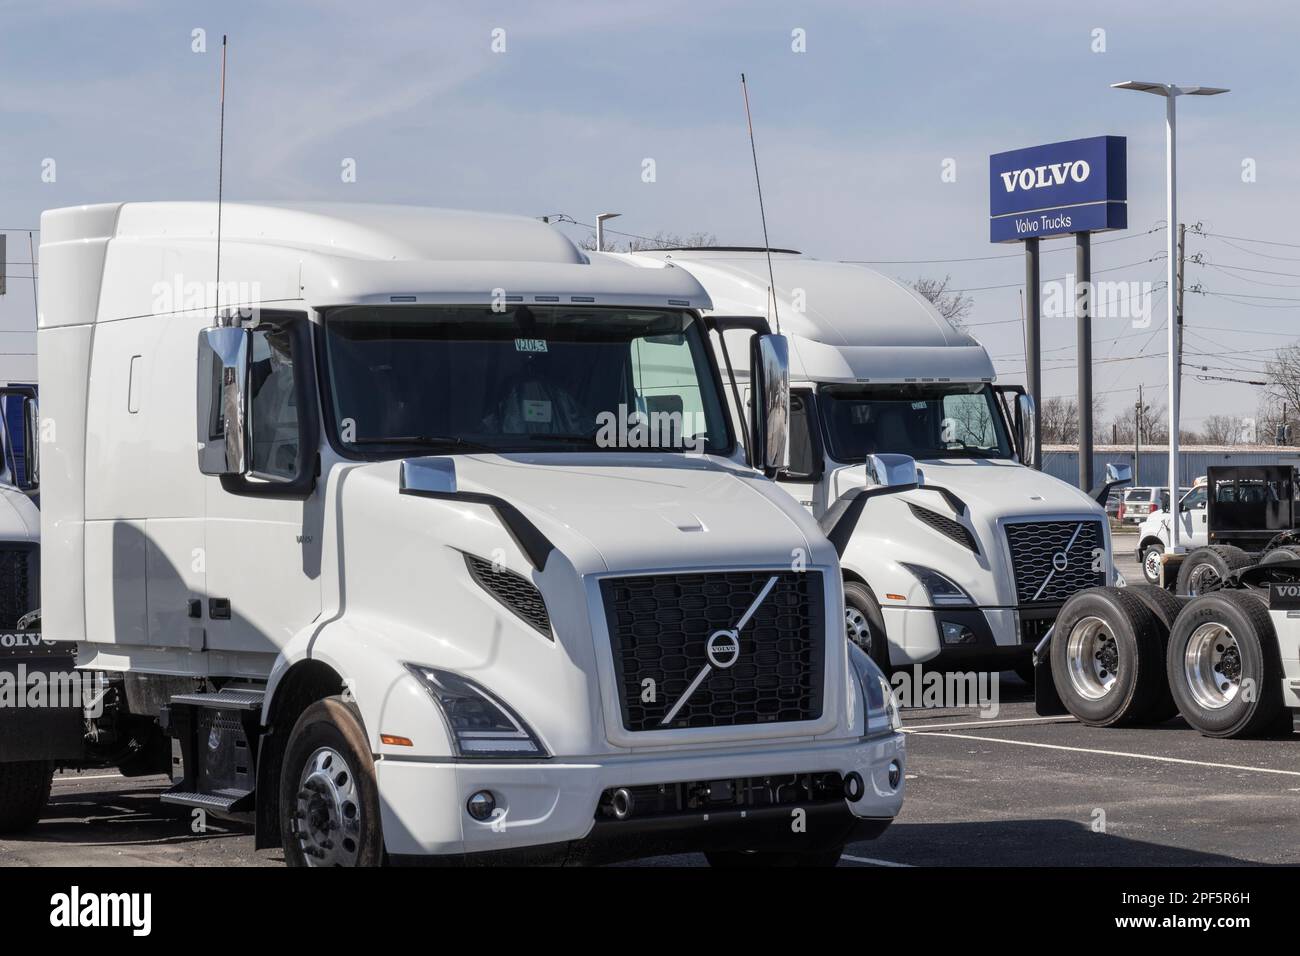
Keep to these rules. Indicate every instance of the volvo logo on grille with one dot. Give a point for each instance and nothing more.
(723, 649)
(1060, 561)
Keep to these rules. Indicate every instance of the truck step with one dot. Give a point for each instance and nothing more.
(223, 700)
(222, 801)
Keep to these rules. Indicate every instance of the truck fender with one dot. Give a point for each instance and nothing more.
(368, 656)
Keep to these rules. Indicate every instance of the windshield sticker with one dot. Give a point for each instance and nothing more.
(530, 345)
(537, 411)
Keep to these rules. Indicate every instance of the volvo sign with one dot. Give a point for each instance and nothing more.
(1061, 188)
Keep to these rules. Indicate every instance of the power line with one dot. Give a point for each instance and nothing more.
(1009, 255)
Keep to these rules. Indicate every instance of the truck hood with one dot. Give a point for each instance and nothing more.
(1005, 487)
(610, 511)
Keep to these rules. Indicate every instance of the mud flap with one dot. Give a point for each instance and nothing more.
(41, 715)
(1047, 702)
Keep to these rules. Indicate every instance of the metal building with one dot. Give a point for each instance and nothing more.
(1152, 468)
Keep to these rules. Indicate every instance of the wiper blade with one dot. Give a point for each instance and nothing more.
(454, 441)
(573, 439)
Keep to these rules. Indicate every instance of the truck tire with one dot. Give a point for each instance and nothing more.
(1221, 645)
(24, 792)
(1107, 657)
(735, 859)
(865, 624)
(1205, 568)
(1280, 554)
(1151, 562)
(1166, 608)
(329, 799)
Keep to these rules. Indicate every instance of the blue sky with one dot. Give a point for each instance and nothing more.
(852, 134)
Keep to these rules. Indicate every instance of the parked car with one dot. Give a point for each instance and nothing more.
(1138, 503)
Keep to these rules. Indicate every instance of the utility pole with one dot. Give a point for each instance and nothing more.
(1182, 271)
(1137, 439)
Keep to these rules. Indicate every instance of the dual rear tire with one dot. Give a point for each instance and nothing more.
(1138, 655)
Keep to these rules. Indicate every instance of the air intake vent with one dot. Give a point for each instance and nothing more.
(513, 590)
(947, 527)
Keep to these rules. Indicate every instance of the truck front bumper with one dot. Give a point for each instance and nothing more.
(549, 811)
(992, 638)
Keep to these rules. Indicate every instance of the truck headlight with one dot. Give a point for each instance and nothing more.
(943, 592)
(882, 717)
(481, 725)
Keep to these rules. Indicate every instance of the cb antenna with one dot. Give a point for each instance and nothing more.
(767, 246)
(221, 155)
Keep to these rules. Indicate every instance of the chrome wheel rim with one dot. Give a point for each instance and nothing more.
(1212, 666)
(1151, 565)
(1092, 658)
(1203, 578)
(858, 628)
(327, 814)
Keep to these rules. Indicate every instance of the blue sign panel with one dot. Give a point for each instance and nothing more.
(1061, 188)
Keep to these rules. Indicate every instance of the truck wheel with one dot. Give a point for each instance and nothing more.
(1166, 608)
(1224, 668)
(864, 623)
(1107, 658)
(1204, 569)
(329, 800)
(24, 791)
(1280, 554)
(1151, 562)
(733, 859)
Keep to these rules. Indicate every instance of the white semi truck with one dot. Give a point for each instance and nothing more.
(954, 553)
(341, 528)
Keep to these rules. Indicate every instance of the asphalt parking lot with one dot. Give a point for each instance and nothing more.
(1014, 790)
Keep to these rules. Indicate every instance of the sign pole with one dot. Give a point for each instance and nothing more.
(1033, 344)
(1083, 322)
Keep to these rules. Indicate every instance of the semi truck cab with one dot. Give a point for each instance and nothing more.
(357, 545)
(959, 555)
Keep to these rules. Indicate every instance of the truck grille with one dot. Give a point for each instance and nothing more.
(19, 584)
(1053, 559)
(660, 627)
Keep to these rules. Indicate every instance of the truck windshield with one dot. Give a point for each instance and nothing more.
(924, 421)
(528, 378)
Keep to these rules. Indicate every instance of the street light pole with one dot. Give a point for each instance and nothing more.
(600, 228)
(1171, 92)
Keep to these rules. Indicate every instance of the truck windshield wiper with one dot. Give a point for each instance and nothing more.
(436, 440)
(589, 439)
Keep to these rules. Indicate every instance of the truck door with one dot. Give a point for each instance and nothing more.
(1194, 514)
(803, 478)
(263, 548)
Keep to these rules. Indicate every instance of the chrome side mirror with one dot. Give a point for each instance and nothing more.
(1027, 422)
(891, 471)
(30, 439)
(32, 443)
(223, 364)
(1117, 474)
(773, 406)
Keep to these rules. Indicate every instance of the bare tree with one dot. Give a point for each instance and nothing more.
(660, 240)
(1154, 424)
(1060, 415)
(1226, 430)
(952, 304)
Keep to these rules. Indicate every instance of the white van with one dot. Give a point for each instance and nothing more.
(356, 546)
(956, 555)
